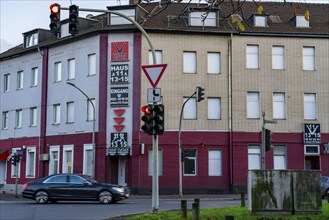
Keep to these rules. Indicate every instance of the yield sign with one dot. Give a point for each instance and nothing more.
(154, 73)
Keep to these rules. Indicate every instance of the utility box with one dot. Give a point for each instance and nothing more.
(284, 191)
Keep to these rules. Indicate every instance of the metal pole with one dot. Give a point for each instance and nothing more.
(94, 121)
(155, 177)
(263, 142)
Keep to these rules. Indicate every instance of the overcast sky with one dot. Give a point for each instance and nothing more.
(19, 16)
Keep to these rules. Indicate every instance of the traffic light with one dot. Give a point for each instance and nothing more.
(267, 139)
(158, 118)
(73, 19)
(147, 118)
(55, 17)
(199, 94)
(14, 159)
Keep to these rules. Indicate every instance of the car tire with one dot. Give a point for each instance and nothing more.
(41, 197)
(105, 197)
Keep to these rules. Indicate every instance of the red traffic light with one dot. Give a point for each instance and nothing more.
(146, 110)
(55, 8)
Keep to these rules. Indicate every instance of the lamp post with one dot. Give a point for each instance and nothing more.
(94, 120)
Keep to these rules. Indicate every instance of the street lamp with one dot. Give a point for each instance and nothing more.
(94, 120)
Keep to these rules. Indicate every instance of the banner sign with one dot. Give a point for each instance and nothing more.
(119, 96)
(312, 134)
(120, 51)
(119, 145)
(119, 74)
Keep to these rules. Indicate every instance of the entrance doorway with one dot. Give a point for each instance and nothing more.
(312, 163)
(122, 171)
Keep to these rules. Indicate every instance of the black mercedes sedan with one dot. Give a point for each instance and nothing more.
(74, 187)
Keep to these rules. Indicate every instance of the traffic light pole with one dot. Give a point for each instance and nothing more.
(263, 166)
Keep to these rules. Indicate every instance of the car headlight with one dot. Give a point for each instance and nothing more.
(121, 190)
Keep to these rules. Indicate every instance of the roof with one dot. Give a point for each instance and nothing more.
(173, 18)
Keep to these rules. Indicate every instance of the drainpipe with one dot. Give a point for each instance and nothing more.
(230, 126)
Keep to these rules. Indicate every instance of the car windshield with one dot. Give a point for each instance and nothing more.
(90, 179)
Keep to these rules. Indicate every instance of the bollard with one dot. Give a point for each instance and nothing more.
(229, 217)
(195, 211)
(197, 200)
(243, 199)
(183, 206)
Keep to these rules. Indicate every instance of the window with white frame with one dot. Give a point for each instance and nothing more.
(6, 82)
(278, 58)
(5, 119)
(189, 111)
(90, 108)
(71, 68)
(34, 76)
(253, 105)
(214, 108)
(30, 162)
(20, 79)
(213, 63)
(310, 106)
(190, 162)
(301, 21)
(150, 162)
(91, 64)
(68, 159)
(260, 21)
(189, 62)
(309, 58)
(18, 118)
(88, 159)
(252, 57)
(16, 168)
(158, 57)
(69, 112)
(254, 157)
(119, 20)
(53, 160)
(58, 72)
(198, 18)
(280, 157)
(214, 162)
(31, 40)
(279, 105)
(33, 116)
(56, 114)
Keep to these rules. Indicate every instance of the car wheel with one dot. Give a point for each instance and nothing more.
(105, 197)
(41, 197)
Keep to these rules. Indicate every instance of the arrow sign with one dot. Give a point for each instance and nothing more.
(154, 73)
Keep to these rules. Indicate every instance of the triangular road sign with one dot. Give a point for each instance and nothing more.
(154, 73)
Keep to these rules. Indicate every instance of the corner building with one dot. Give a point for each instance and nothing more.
(273, 75)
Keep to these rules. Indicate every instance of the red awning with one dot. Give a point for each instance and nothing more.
(4, 154)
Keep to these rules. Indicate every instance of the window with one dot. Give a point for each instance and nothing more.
(279, 108)
(252, 57)
(252, 105)
(310, 106)
(158, 57)
(119, 20)
(58, 72)
(70, 112)
(150, 162)
(17, 168)
(254, 158)
(18, 119)
(88, 159)
(214, 108)
(278, 58)
(71, 68)
(260, 21)
(189, 62)
(90, 109)
(215, 163)
(309, 58)
(34, 76)
(31, 40)
(301, 21)
(190, 168)
(56, 113)
(57, 179)
(5, 119)
(54, 160)
(68, 159)
(198, 18)
(189, 111)
(91, 64)
(33, 116)
(30, 162)
(6, 82)
(279, 158)
(213, 63)
(20, 79)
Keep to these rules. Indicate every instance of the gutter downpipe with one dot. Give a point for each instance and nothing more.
(230, 126)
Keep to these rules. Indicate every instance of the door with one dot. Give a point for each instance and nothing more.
(122, 171)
